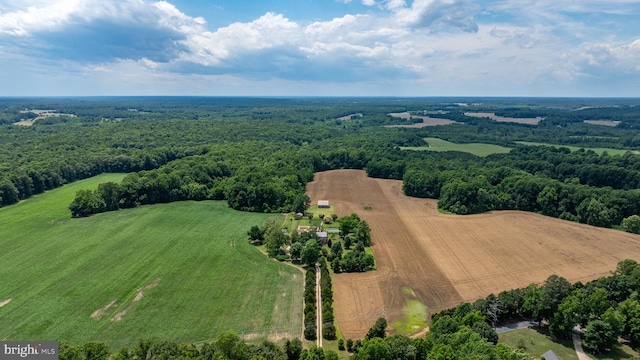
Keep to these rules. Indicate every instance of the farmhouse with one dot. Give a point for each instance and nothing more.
(322, 235)
(323, 204)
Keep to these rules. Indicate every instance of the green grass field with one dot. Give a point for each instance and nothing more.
(598, 151)
(440, 145)
(182, 271)
(537, 344)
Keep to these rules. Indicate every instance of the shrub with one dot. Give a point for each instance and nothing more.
(329, 332)
(310, 332)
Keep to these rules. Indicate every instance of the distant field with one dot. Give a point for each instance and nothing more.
(426, 121)
(182, 271)
(436, 144)
(496, 118)
(610, 151)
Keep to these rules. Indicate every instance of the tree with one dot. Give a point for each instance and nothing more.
(255, 234)
(95, 350)
(110, 194)
(274, 238)
(296, 250)
(630, 312)
(375, 349)
(402, 347)
(336, 249)
(486, 331)
(599, 336)
(444, 325)
(349, 345)
(86, 202)
(314, 353)
(329, 331)
(362, 233)
(8, 193)
(597, 303)
(229, 345)
(378, 330)
(594, 212)
(348, 223)
(631, 224)
(310, 252)
(67, 351)
(552, 293)
(567, 316)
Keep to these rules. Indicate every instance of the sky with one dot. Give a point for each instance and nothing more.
(547, 48)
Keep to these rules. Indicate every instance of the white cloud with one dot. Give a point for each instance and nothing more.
(599, 59)
(416, 43)
(438, 15)
(395, 4)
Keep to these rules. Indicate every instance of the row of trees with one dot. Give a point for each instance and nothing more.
(228, 345)
(326, 294)
(310, 305)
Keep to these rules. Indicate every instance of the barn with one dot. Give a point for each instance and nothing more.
(323, 204)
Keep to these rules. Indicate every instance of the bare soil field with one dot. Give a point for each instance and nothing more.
(426, 120)
(496, 118)
(610, 123)
(447, 259)
(350, 116)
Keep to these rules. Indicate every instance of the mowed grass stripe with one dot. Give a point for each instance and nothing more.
(477, 149)
(59, 270)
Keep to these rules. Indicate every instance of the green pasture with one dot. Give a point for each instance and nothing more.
(598, 151)
(182, 271)
(477, 149)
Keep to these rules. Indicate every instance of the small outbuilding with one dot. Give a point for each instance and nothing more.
(323, 204)
(324, 237)
(550, 355)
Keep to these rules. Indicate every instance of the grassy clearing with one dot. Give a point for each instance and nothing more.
(415, 314)
(316, 211)
(477, 149)
(598, 151)
(623, 351)
(537, 344)
(182, 271)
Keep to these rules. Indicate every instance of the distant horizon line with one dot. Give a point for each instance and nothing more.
(319, 96)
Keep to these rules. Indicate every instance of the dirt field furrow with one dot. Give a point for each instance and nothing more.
(447, 259)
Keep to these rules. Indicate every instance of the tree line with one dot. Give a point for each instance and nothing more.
(606, 308)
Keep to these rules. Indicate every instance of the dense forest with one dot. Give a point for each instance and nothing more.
(258, 154)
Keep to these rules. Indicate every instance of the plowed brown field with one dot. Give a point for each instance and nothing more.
(447, 259)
